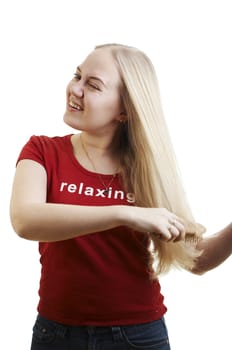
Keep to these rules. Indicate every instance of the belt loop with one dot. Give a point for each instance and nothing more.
(117, 334)
(61, 331)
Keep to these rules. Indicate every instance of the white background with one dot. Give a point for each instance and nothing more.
(189, 42)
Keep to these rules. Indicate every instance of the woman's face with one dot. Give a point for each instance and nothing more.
(93, 95)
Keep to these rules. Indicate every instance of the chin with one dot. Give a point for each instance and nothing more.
(68, 120)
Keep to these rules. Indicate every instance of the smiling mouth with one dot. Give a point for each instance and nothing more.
(75, 106)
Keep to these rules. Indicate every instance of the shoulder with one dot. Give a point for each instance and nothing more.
(45, 143)
(42, 147)
(48, 140)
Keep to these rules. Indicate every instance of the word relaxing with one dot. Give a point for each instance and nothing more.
(81, 189)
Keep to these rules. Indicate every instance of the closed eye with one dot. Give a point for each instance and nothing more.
(77, 76)
(94, 86)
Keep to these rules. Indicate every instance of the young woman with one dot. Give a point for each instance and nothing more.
(109, 211)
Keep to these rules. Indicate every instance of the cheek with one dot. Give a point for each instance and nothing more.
(107, 104)
(113, 104)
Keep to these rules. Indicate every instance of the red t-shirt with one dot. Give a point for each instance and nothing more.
(99, 279)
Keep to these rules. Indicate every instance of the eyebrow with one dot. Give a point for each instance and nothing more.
(93, 77)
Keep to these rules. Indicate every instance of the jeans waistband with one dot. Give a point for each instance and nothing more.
(84, 331)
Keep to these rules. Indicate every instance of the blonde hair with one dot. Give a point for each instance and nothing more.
(150, 169)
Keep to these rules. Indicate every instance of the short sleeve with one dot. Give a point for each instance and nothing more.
(32, 150)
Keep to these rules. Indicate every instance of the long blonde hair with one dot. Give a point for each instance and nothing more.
(150, 169)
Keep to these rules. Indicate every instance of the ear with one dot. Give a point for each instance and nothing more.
(122, 117)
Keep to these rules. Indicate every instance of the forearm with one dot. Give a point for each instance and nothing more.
(215, 250)
(47, 222)
(54, 222)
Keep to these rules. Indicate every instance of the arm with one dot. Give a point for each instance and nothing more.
(215, 250)
(34, 219)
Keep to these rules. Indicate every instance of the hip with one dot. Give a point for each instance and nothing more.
(50, 335)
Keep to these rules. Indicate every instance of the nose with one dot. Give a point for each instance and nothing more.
(77, 88)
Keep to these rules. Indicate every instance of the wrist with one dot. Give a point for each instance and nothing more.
(125, 215)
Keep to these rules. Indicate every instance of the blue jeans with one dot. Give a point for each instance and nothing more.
(49, 335)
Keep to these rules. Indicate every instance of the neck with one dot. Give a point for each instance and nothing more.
(101, 146)
(99, 157)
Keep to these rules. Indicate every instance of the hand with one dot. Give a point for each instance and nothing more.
(166, 225)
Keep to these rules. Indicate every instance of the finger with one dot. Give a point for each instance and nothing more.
(180, 227)
(179, 224)
(174, 232)
(169, 233)
(164, 234)
(175, 219)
